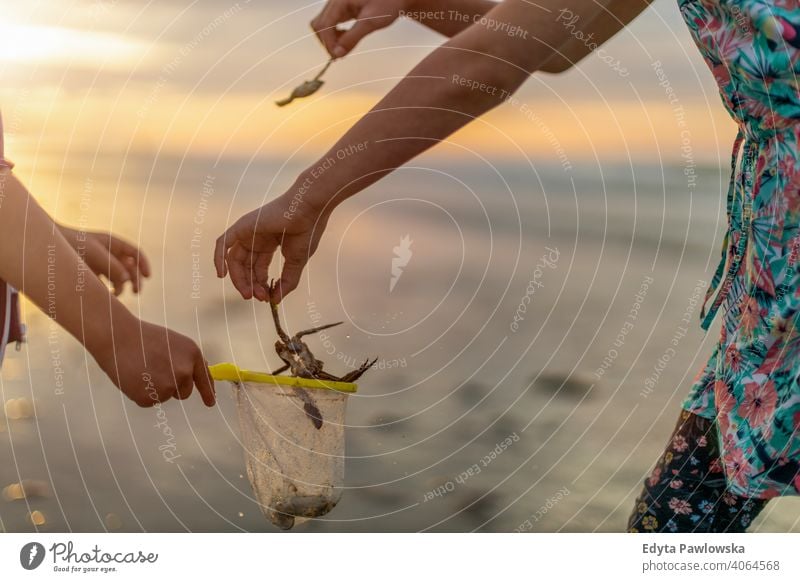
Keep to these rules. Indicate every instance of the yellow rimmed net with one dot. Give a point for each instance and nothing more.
(293, 435)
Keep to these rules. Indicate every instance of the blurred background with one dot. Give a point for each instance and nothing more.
(592, 204)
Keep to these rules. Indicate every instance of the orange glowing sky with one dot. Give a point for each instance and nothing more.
(199, 77)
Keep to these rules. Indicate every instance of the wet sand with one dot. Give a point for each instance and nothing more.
(525, 378)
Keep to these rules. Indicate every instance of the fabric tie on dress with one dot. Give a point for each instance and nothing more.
(747, 211)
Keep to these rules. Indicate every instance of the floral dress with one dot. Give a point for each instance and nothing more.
(750, 383)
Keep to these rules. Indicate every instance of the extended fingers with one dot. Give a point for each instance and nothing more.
(135, 273)
(121, 248)
(118, 274)
(290, 277)
(260, 275)
(132, 258)
(245, 254)
(225, 241)
(249, 271)
(348, 39)
(237, 262)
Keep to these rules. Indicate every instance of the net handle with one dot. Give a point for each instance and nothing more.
(233, 373)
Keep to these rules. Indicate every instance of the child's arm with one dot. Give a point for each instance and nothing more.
(586, 34)
(475, 71)
(451, 17)
(148, 363)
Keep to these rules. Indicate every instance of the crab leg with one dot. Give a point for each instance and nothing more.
(281, 369)
(321, 375)
(274, 308)
(316, 329)
(278, 327)
(356, 374)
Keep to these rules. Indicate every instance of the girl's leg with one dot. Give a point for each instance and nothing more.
(687, 491)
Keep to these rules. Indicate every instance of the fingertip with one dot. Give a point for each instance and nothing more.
(338, 51)
(219, 258)
(143, 264)
(261, 293)
(210, 393)
(204, 382)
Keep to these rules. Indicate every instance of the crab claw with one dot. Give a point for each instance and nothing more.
(356, 374)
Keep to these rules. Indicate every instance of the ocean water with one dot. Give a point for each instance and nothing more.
(506, 397)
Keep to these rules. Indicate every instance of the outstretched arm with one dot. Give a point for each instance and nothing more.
(586, 34)
(147, 362)
(472, 73)
(36, 259)
(450, 17)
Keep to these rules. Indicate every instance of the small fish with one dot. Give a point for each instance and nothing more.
(310, 407)
(306, 88)
(297, 358)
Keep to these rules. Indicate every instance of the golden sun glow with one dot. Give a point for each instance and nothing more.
(24, 44)
(110, 76)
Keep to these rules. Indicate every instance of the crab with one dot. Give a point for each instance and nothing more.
(306, 88)
(297, 358)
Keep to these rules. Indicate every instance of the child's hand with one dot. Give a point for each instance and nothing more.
(245, 250)
(110, 257)
(150, 363)
(370, 15)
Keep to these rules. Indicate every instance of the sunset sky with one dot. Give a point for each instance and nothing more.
(199, 77)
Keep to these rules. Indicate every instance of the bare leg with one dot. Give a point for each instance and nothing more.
(356, 374)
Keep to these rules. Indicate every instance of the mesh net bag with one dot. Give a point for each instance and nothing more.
(293, 434)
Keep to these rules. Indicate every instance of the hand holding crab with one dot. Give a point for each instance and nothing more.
(297, 356)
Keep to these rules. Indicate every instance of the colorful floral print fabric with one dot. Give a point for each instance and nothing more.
(750, 383)
(687, 491)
